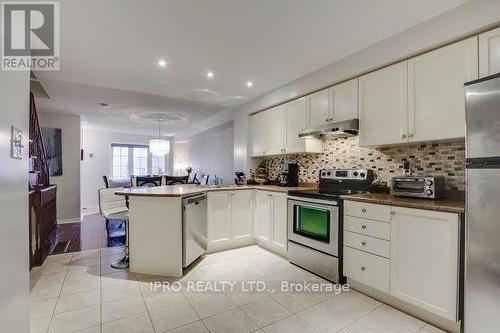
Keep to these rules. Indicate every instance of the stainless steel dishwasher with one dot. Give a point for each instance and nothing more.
(194, 228)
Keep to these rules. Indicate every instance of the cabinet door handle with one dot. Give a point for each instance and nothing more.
(363, 243)
(363, 210)
(410, 135)
(363, 227)
(403, 136)
(363, 268)
(393, 212)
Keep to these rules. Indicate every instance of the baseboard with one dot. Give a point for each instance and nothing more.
(66, 221)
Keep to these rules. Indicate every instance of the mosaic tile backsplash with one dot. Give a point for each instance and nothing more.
(438, 159)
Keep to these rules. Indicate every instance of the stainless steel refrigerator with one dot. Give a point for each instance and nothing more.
(482, 234)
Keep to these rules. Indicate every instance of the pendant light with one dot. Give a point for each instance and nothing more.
(159, 146)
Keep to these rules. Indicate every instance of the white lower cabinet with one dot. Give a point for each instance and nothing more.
(229, 219)
(424, 259)
(413, 257)
(271, 221)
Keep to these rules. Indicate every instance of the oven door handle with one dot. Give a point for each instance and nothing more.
(313, 201)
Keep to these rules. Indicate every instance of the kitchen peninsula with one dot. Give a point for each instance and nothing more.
(155, 224)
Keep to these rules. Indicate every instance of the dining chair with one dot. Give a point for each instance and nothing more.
(174, 180)
(114, 207)
(148, 181)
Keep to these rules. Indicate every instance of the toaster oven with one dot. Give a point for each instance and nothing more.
(419, 187)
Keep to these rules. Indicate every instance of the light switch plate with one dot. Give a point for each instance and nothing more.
(16, 143)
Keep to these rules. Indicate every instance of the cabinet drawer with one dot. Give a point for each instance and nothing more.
(368, 227)
(369, 244)
(369, 269)
(368, 211)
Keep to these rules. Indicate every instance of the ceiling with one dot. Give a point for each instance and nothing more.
(110, 52)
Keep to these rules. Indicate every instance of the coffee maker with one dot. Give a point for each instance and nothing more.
(288, 175)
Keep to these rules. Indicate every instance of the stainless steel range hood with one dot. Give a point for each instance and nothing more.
(342, 128)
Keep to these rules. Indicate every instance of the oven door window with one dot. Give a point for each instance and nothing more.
(410, 186)
(312, 222)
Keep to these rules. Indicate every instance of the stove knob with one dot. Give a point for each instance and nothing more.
(429, 192)
(323, 174)
(429, 182)
(355, 173)
(362, 175)
(329, 173)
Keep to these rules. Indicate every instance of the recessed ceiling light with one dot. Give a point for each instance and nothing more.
(249, 84)
(210, 74)
(162, 63)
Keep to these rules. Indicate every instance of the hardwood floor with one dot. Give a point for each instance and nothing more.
(91, 233)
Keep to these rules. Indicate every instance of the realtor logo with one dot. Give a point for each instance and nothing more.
(30, 35)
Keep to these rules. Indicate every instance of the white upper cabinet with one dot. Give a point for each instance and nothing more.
(344, 100)
(436, 108)
(275, 125)
(296, 121)
(489, 52)
(424, 259)
(383, 102)
(318, 108)
(259, 132)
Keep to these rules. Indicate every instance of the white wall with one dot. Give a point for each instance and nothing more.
(14, 260)
(464, 20)
(211, 152)
(68, 185)
(99, 143)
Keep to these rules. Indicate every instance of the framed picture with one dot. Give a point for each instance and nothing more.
(52, 140)
(16, 145)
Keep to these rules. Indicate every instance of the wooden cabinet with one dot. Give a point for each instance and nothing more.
(276, 126)
(259, 132)
(436, 91)
(336, 103)
(318, 108)
(271, 221)
(276, 131)
(409, 254)
(383, 102)
(424, 259)
(344, 100)
(229, 218)
(295, 119)
(489, 52)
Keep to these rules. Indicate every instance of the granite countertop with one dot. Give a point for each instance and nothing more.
(190, 190)
(451, 204)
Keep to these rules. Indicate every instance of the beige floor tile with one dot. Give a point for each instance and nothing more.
(93, 270)
(230, 321)
(80, 285)
(111, 250)
(108, 259)
(389, 320)
(357, 327)
(40, 325)
(325, 317)
(86, 261)
(122, 308)
(95, 329)
(76, 320)
(354, 304)
(96, 253)
(209, 305)
(54, 278)
(265, 311)
(42, 308)
(43, 291)
(173, 316)
(68, 302)
(292, 324)
(116, 292)
(196, 327)
(135, 324)
(295, 301)
(240, 296)
(159, 300)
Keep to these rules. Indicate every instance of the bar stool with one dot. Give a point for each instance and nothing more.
(114, 207)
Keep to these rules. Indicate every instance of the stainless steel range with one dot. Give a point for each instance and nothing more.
(315, 221)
